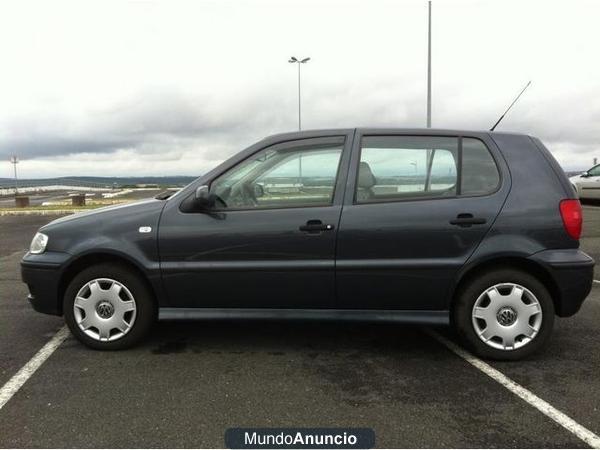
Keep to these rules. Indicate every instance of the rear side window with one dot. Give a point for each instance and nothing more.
(397, 167)
(394, 168)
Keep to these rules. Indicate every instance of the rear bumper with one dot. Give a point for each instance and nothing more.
(573, 274)
(42, 273)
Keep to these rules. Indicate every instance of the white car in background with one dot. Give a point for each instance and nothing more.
(587, 184)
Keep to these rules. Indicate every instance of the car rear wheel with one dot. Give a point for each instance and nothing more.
(108, 307)
(504, 314)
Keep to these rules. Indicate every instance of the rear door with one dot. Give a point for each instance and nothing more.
(416, 207)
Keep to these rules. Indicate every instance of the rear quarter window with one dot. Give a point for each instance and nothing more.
(479, 171)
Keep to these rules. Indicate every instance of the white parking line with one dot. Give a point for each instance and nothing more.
(18, 380)
(596, 281)
(544, 407)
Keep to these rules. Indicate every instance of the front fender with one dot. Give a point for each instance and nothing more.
(130, 231)
(127, 233)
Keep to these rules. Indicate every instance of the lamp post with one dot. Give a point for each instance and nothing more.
(294, 60)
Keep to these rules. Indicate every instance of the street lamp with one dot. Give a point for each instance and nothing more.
(294, 60)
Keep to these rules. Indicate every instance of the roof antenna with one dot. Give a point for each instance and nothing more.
(511, 105)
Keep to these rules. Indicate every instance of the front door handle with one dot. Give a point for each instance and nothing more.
(315, 226)
(466, 220)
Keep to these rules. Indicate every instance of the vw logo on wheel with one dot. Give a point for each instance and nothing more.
(506, 316)
(105, 309)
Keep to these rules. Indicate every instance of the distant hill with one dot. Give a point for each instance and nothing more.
(101, 181)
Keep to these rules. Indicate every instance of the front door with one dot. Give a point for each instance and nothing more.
(418, 207)
(269, 240)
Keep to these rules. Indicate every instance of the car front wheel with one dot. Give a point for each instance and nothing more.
(108, 307)
(504, 314)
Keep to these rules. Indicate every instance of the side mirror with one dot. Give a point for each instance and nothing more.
(585, 174)
(203, 198)
(259, 191)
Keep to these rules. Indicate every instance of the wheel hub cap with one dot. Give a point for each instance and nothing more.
(105, 309)
(506, 316)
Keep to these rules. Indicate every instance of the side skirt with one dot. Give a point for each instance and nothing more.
(357, 315)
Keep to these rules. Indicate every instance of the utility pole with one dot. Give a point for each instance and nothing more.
(294, 60)
(429, 69)
(14, 161)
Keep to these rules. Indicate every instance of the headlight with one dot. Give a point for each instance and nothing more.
(38, 243)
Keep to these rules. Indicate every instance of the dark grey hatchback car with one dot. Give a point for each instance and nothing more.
(409, 226)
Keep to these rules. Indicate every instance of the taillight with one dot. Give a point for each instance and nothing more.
(570, 211)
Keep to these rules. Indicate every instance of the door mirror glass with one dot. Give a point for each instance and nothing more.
(203, 197)
(259, 190)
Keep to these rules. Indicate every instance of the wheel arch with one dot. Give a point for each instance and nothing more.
(84, 261)
(533, 268)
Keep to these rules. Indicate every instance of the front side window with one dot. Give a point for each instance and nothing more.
(282, 177)
(402, 167)
(594, 171)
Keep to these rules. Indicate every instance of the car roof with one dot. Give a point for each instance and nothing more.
(382, 130)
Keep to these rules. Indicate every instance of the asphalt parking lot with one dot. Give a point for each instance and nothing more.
(189, 382)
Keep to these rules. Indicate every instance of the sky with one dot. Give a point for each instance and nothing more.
(133, 88)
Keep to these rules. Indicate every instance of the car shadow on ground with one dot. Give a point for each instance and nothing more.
(278, 337)
(312, 339)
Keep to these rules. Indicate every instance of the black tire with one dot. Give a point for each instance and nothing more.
(468, 295)
(145, 314)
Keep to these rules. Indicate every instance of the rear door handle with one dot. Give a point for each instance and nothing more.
(466, 220)
(315, 226)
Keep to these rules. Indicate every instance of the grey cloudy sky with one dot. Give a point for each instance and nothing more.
(174, 87)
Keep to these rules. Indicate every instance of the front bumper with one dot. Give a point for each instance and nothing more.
(573, 274)
(42, 275)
